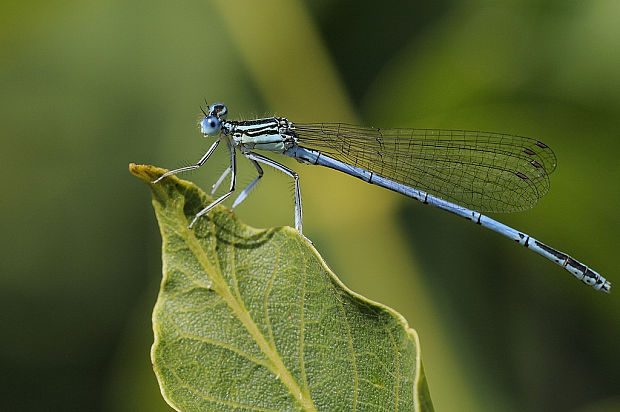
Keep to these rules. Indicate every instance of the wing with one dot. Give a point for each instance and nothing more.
(484, 171)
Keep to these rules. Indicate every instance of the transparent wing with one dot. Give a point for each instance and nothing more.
(484, 171)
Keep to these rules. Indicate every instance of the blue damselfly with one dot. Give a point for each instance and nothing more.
(463, 172)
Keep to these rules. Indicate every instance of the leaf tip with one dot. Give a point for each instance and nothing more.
(148, 173)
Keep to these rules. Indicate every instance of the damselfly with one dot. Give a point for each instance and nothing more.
(463, 172)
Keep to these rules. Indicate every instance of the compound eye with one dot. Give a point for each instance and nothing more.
(210, 126)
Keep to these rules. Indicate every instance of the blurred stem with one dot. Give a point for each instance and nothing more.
(293, 72)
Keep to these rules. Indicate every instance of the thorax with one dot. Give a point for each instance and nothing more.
(274, 134)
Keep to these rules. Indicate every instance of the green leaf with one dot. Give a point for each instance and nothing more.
(251, 319)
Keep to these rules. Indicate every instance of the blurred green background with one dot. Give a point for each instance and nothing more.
(87, 87)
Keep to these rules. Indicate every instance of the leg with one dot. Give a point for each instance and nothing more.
(249, 187)
(267, 161)
(220, 180)
(196, 166)
(233, 178)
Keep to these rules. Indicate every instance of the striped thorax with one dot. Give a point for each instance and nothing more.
(272, 134)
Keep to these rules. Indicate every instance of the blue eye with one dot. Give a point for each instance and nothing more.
(210, 126)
